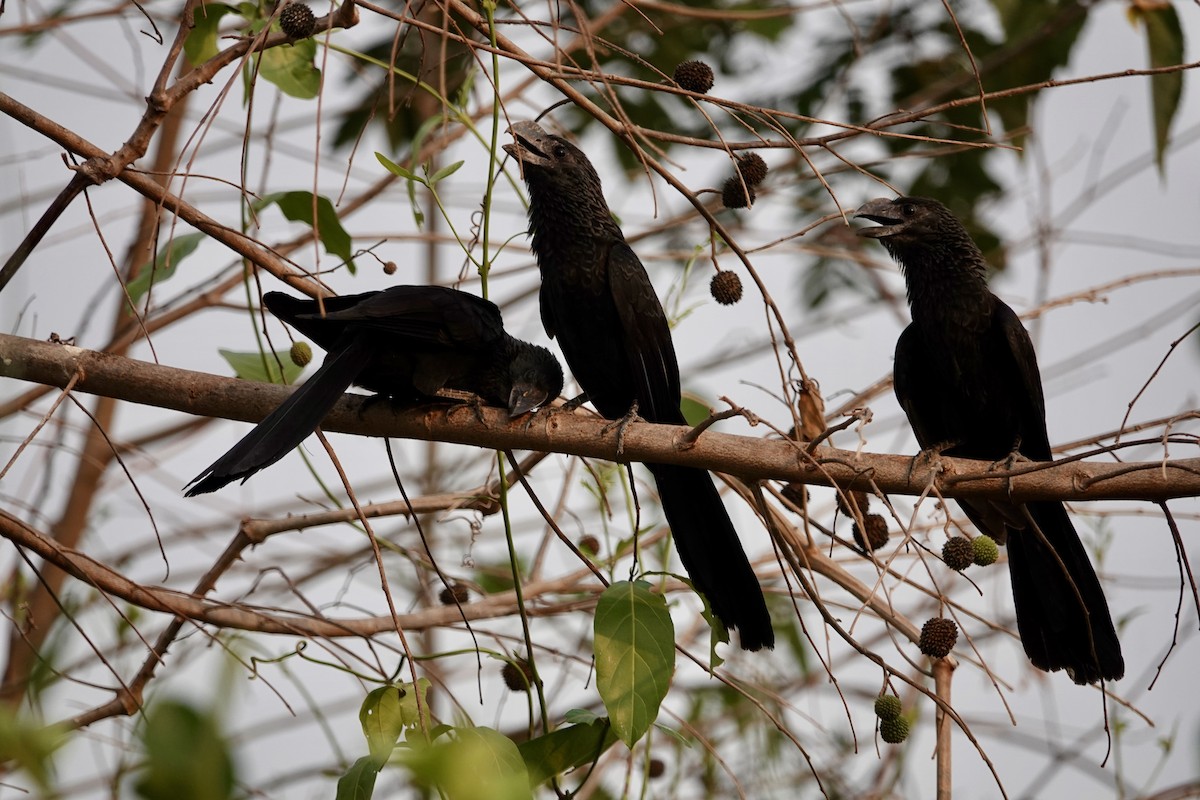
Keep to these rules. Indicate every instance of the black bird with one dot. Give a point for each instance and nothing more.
(598, 301)
(408, 343)
(967, 377)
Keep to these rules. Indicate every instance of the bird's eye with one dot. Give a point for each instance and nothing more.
(559, 151)
(908, 209)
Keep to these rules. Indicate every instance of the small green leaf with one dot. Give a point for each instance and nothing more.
(565, 749)
(28, 746)
(298, 207)
(635, 656)
(396, 169)
(201, 43)
(265, 368)
(163, 267)
(582, 716)
(445, 172)
(358, 782)
(694, 409)
(477, 764)
(292, 69)
(387, 712)
(186, 756)
(1164, 40)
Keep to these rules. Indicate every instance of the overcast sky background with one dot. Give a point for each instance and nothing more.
(1095, 355)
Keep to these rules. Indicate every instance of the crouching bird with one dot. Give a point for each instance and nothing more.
(967, 377)
(597, 300)
(408, 343)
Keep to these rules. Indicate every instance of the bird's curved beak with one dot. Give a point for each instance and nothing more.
(529, 144)
(880, 210)
(524, 398)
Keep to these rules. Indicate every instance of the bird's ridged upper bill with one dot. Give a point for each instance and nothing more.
(529, 143)
(883, 211)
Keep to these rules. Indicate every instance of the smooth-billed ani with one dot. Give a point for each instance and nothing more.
(967, 377)
(408, 343)
(597, 300)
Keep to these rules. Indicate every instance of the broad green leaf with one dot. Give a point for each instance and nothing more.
(202, 43)
(186, 757)
(163, 267)
(292, 69)
(445, 172)
(477, 764)
(298, 207)
(582, 716)
(1164, 39)
(635, 656)
(565, 749)
(358, 782)
(263, 367)
(386, 713)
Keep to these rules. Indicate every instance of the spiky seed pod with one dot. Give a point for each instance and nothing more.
(589, 545)
(938, 636)
(877, 533)
(695, 76)
(455, 592)
(851, 501)
(958, 553)
(753, 168)
(389, 268)
(887, 706)
(297, 20)
(301, 354)
(894, 731)
(726, 287)
(797, 493)
(734, 195)
(984, 550)
(517, 676)
(656, 768)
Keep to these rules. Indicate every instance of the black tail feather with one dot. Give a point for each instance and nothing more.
(712, 554)
(1063, 617)
(288, 425)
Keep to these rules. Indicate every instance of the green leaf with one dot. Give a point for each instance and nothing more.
(477, 764)
(694, 409)
(358, 782)
(293, 69)
(565, 749)
(1164, 39)
(263, 367)
(163, 267)
(298, 207)
(445, 172)
(387, 712)
(186, 756)
(202, 43)
(635, 656)
(29, 746)
(396, 169)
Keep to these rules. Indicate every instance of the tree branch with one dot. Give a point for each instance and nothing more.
(747, 457)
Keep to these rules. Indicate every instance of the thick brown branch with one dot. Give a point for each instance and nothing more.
(748, 457)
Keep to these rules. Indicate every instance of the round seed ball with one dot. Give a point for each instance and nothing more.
(297, 20)
(726, 287)
(938, 636)
(887, 706)
(734, 195)
(877, 533)
(958, 553)
(454, 592)
(518, 675)
(984, 550)
(695, 76)
(753, 168)
(894, 731)
(301, 354)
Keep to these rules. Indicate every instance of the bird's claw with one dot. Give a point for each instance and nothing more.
(929, 455)
(620, 425)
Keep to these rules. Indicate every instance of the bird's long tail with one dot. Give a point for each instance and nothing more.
(289, 424)
(711, 552)
(1062, 615)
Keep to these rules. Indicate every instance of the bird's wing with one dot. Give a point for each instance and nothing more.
(646, 336)
(1022, 362)
(917, 390)
(429, 315)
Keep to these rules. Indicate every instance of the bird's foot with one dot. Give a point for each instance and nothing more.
(575, 402)
(929, 455)
(621, 424)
